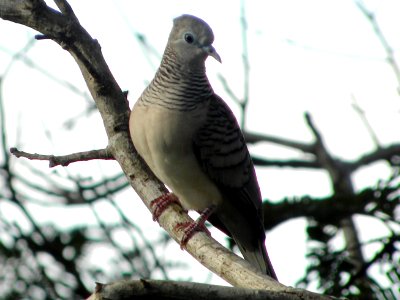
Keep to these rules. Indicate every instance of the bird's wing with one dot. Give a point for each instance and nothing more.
(222, 153)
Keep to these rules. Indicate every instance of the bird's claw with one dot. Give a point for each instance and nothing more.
(189, 229)
(161, 203)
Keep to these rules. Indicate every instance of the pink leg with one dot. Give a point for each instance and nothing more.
(160, 204)
(190, 228)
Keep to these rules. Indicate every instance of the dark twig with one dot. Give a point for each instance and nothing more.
(383, 253)
(291, 163)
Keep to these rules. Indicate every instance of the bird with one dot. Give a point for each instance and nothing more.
(191, 140)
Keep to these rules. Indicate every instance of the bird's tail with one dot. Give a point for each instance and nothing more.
(259, 258)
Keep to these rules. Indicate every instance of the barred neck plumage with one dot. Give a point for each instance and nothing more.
(175, 87)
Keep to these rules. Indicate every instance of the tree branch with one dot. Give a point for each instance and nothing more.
(167, 290)
(383, 153)
(253, 138)
(340, 175)
(345, 205)
(292, 163)
(318, 150)
(64, 160)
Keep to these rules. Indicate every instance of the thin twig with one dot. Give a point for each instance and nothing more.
(246, 63)
(390, 58)
(364, 119)
(241, 101)
(292, 163)
(65, 160)
(253, 138)
(228, 90)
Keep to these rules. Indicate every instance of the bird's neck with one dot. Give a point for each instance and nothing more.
(176, 86)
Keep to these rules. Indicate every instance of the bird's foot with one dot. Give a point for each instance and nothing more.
(161, 203)
(191, 227)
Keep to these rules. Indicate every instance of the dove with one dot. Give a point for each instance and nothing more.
(192, 142)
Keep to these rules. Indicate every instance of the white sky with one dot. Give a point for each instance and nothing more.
(308, 55)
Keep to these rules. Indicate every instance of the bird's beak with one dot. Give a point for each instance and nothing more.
(210, 50)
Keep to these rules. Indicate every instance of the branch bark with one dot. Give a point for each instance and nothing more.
(166, 290)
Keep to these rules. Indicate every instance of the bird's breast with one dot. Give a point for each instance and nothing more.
(164, 138)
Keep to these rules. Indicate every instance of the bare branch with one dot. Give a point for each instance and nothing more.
(253, 138)
(292, 163)
(167, 290)
(383, 153)
(65, 160)
(277, 212)
(340, 175)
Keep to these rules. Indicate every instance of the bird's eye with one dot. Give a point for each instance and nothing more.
(189, 38)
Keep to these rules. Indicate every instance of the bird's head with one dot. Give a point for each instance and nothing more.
(191, 40)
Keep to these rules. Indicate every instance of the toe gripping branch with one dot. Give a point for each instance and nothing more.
(191, 227)
(160, 204)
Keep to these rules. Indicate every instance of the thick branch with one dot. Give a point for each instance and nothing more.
(166, 290)
(340, 175)
(64, 160)
(382, 153)
(327, 209)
